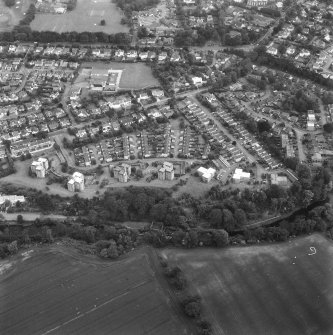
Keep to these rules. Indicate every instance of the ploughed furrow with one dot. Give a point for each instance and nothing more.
(229, 310)
(251, 292)
(120, 323)
(59, 301)
(258, 290)
(105, 310)
(294, 307)
(303, 299)
(28, 278)
(265, 285)
(41, 288)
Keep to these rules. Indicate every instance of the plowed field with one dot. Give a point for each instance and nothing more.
(259, 290)
(56, 291)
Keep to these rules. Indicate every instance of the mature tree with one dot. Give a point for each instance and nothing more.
(307, 198)
(90, 233)
(60, 229)
(112, 251)
(191, 305)
(13, 248)
(19, 219)
(158, 212)
(142, 32)
(193, 309)
(220, 237)
(328, 127)
(291, 163)
(240, 217)
(228, 219)
(304, 175)
(25, 236)
(263, 125)
(215, 217)
(103, 23)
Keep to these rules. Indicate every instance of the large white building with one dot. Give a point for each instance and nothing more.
(122, 172)
(12, 198)
(40, 167)
(206, 174)
(76, 183)
(166, 172)
(240, 175)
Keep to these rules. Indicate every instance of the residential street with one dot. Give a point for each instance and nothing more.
(299, 132)
(225, 131)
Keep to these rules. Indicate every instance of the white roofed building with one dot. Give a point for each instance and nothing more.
(239, 175)
(206, 174)
(12, 198)
(40, 167)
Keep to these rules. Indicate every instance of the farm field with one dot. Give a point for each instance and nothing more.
(58, 291)
(85, 17)
(260, 290)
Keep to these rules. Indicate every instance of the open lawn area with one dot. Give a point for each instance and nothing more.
(259, 290)
(56, 290)
(85, 17)
(10, 16)
(134, 75)
(22, 179)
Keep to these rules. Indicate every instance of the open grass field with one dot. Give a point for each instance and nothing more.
(11, 16)
(134, 75)
(58, 291)
(261, 290)
(85, 17)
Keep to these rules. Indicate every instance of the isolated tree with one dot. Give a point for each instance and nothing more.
(193, 309)
(48, 235)
(103, 23)
(19, 219)
(9, 3)
(112, 251)
(328, 127)
(220, 237)
(26, 237)
(13, 248)
(60, 229)
(90, 233)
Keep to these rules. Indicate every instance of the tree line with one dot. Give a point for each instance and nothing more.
(24, 33)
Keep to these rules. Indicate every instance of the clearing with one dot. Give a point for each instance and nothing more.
(259, 290)
(85, 17)
(75, 294)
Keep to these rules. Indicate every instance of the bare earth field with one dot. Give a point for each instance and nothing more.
(85, 17)
(58, 291)
(260, 290)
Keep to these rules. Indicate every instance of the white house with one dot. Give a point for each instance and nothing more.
(197, 81)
